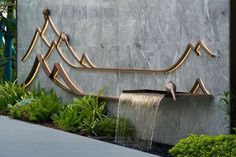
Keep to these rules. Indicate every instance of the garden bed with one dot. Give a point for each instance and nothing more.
(87, 116)
(157, 148)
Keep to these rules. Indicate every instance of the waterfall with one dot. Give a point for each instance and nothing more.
(140, 110)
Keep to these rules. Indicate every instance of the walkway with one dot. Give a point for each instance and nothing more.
(21, 139)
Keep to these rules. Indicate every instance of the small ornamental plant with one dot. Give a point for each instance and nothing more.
(205, 146)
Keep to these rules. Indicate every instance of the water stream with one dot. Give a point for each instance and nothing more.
(140, 110)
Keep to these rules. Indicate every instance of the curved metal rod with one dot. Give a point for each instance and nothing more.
(85, 62)
(68, 84)
(46, 14)
(200, 45)
(172, 68)
(32, 73)
(37, 33)
(57, 69)
(53, 75)
(199, 84)
(76, 89)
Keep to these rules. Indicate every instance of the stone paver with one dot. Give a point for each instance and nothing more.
(21, 139)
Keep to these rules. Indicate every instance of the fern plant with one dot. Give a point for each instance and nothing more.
(21, 109)
(19, 112)
(106, 127)
(67, 119)
(10, 93)
(87, 116)
(44, 106)
(91, 112)
(39, 109)
(227, 98)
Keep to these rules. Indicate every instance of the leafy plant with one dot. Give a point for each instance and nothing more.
(91, 112)
(44, 106)
(19, 111)
(10, 93)
(106, 127)
(87, 115)
(226, 98)
(207, 146)
(67, 118)
(39, 109)
(7, 31)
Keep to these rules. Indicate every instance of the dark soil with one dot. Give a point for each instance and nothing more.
(157, 148)
(160, 149)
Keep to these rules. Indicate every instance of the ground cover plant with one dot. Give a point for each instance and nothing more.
(10, 93)
(36, 109)
(205, 146)
(86, 115)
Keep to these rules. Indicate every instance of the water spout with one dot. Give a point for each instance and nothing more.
(140, 110)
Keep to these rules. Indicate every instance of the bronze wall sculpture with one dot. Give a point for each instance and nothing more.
(85, 64)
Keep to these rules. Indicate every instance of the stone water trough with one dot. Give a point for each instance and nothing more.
(190, 113)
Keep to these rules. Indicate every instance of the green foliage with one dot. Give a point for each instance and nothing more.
(107, 126)
(91, 112)
(226, 98)
(38, 109)
(5, 3)
(9, 7)
(7, 29)
(67, 119)
(20, 110)
(44, 106)
(205, 146)
(87, 115)
(10, 93)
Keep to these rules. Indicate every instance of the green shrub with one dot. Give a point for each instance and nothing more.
(67, 118)
(87, 115)
(39, 109)
(205, 146)
(44, 107)
(228, 99)
(10, 93)
(21, 109)
(91, 112)
(106, 127)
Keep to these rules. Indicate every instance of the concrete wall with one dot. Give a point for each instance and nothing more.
(148, 34)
